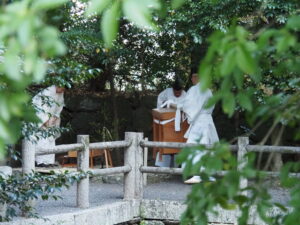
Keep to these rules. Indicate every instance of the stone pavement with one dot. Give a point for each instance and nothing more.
(109, 189)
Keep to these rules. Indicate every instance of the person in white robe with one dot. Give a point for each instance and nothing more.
(176, 94)
(49, 115)
(202, 129)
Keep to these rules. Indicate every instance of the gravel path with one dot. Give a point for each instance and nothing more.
(103, 193)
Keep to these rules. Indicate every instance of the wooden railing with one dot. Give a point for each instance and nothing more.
(134, 167)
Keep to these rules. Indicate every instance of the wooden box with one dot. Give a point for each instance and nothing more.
(165, 131)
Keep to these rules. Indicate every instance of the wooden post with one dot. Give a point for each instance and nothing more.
(28, 156)
(28, 164)
(145, 162)
(133, 157)
(83, 165)
(242, 160)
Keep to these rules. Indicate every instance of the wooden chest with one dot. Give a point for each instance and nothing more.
(164, 131)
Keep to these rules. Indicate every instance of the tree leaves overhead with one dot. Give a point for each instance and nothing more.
(139, 12)
(244, 60)
(110, 23)
(97, 6)
(39, 5)
(136, 11)
(177, 3)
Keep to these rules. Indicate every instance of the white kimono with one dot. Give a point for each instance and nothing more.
(49, 113)
(202, 129)
(167, 94)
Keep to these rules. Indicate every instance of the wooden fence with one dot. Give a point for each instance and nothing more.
(134, 167)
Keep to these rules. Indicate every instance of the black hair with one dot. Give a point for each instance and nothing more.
(177, 85)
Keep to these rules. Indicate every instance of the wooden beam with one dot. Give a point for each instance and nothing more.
(109, 145)
(269, 148)
(111, 171)
(59, 149)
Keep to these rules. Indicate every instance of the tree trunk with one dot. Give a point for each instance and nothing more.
(115, 113)
(277, 159)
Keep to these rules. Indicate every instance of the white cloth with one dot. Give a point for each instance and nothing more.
(202, 129)
(164, 99)
(164, 162)
(49, 113)
(168, 94)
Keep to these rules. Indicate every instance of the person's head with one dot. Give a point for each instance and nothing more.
(177, 88)
(195, 78)
(59, 90)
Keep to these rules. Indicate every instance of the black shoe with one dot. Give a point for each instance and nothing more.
(41, 165)
(53, 165)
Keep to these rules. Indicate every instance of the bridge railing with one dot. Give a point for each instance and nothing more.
(134, 168)
(83, 147)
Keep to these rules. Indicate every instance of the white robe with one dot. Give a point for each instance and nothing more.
(167, 94)
(49, 112)
(202, 129)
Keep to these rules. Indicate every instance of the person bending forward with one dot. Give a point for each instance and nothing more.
(50, 117)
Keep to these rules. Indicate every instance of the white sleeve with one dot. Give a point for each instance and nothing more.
(162, 97)
(43, 109)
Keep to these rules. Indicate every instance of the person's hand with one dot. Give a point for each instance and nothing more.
(52, 121)
(46, 124)
(168, 103)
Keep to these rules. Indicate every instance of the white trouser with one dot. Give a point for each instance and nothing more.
(45, 143)
(202, 131)
(165, 162)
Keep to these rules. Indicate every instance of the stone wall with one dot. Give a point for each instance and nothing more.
(88, 114)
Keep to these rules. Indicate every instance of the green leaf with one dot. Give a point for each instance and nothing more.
(294, 23)
(12, 65)
(154, 4)
(228, 63)
(25, 32)
(240, 199)
(224, 203)
(213, 100)
(205, 72)
(47, 4)
(228, 104)
(241, 33)
(282, 207)
(238, 79)
(264, 38)
(177, 3)
(4, 131)
(139, 13)
(97, 6)
(40, 70)
(285, 42)
(4, 111)
(244, 60)
(110, 23)
(245, 101)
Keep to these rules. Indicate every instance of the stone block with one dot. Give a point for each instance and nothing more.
(151, 222)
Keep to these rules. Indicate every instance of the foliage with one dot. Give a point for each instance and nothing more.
(240, 61)
(235, 58)
(17, 190)
(26, 42)
(206, 197)
(252, 57)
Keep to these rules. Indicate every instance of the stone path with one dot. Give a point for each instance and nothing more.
(110, 189)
